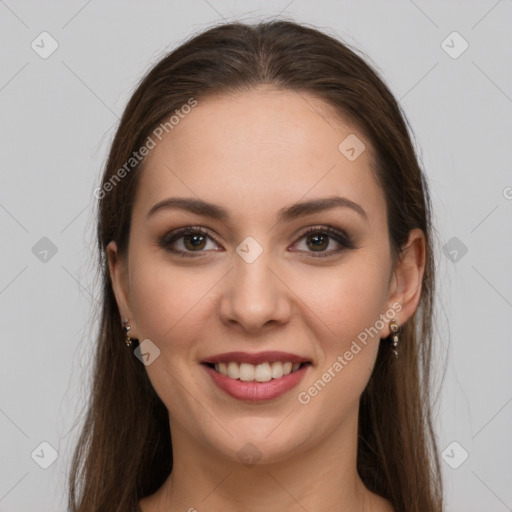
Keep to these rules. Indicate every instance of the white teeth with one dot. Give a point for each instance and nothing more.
(246, 372)
(277, 370)
(233, 370)
(263, 372)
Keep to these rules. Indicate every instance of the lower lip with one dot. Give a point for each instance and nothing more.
(257, 391)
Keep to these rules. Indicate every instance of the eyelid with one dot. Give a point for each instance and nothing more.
(177, 234)
(336, 234)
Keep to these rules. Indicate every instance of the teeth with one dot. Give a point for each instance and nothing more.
(246, 372)
(233, 370)
(263, 372)
(277, 370)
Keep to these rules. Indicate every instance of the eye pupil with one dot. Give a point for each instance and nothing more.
(196, 238)
(319, 237)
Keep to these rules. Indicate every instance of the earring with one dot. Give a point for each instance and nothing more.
(126, 330)
(395, 333)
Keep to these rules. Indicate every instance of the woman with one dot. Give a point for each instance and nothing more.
(266, 252)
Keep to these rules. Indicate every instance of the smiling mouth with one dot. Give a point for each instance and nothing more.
(264, 372)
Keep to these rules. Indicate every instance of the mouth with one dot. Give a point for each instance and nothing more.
(256, 377)
(263, 372)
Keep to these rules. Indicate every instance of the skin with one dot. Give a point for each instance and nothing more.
(254, 153)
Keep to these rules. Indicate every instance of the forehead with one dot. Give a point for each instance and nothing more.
(253, 150)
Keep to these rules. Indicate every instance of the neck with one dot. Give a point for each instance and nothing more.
(320, 479)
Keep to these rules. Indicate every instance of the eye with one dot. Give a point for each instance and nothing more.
(192, 241)
(319, 238)
(188, 240)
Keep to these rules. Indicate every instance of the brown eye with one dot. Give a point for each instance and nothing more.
(318, 239)
(193, 242)
(187, 241)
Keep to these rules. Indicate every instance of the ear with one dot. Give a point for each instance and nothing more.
(118, 268)
(406, 282)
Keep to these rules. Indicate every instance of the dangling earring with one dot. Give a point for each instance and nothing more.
(395, 333)
(126, 330)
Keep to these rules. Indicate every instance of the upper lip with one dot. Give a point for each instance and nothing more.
(255, 357)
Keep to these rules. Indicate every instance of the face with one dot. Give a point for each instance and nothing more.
(270, 287)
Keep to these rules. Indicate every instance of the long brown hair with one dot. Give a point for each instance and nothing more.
(124, 450)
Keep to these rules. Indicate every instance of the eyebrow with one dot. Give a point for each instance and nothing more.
(286, 214)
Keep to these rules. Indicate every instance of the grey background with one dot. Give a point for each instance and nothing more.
(59, 115)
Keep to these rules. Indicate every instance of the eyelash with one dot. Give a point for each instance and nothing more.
(339, 236)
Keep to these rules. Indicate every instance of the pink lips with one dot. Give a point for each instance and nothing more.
(255, 358)
(256, 391)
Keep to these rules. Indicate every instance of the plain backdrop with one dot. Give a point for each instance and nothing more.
(447, 62)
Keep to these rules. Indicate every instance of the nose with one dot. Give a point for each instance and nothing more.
(254, 296)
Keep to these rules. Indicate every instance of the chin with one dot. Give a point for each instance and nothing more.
(261, 440)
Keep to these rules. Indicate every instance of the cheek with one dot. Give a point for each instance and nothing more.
(170, 306)
(170, 303)
(343, 308)
(345, 300)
